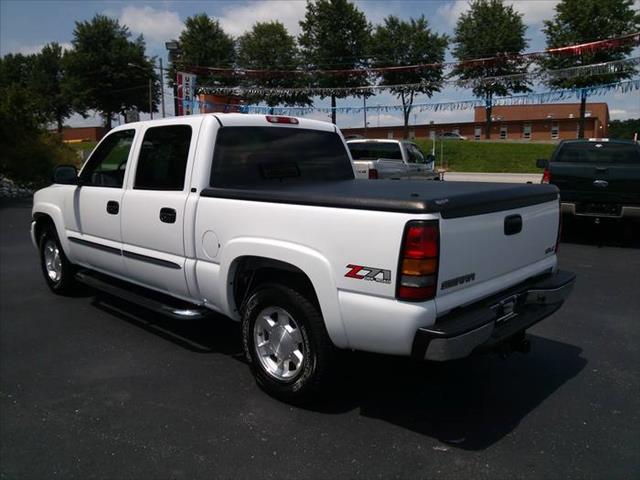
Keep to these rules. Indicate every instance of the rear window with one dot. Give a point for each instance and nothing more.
(246, 156)
(375, 150)
(598, 152)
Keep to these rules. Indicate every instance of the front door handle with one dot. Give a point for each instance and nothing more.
(167, 215)
(113, 207)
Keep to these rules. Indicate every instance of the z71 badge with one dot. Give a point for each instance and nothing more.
(372, 274)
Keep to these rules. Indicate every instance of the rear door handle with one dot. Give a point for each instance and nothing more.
(167, 215)
(113, 207)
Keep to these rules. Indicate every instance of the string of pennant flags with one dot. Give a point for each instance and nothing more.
(632, 39)
(604, 68)
(196, 106)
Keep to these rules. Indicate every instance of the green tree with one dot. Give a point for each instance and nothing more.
(625, 129)
(490, 29)
(581, 21)
(397, 43)
(268, 46)
(28, 150)
(49, 84)
(107, 71)
(335, 36)
(203, 43)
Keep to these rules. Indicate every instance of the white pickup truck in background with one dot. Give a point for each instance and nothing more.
(391, 159)
(260, 218)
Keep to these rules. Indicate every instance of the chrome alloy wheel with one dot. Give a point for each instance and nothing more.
(52, 261)
(278, 343)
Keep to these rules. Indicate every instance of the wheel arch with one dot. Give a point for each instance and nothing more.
(47, 214)
(296, 266)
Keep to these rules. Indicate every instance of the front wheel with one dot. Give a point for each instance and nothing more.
(57, 270)
(286, 343)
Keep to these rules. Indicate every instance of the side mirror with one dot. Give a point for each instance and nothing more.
(65, 175)
(542, 163)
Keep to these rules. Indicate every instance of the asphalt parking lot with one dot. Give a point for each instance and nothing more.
(92, 388)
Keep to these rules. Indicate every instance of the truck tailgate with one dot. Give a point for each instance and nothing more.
(479, 248)
(597, 182)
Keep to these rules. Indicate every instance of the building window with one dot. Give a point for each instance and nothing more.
(477, 133)
(526, 131)
(555, 131)
(503, 132)
(412, 134)
(390, 134)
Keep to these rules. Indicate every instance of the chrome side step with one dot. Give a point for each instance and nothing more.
(149, 299)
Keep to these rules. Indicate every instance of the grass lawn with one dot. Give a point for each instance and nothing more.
(498, 157)
(83, 145)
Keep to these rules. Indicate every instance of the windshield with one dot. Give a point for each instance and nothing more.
(246, 156)
(598, 152)
(375, 150)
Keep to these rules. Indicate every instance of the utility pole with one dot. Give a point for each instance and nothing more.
(364, 103)
(151, 98)
(442, 149)
(162, 86)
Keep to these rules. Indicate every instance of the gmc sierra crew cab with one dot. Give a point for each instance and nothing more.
(260, 218)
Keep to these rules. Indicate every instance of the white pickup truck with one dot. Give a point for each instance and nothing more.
(260, 218)
(391, 159)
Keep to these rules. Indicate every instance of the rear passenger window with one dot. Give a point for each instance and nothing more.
(163, 158)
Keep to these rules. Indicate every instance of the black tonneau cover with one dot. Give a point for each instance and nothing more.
(450, 199)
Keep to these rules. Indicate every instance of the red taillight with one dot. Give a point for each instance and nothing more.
(373, 174)
(278, 119)
(546, 176)
(418, 266)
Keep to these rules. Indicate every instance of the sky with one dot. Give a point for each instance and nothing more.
(27, 25)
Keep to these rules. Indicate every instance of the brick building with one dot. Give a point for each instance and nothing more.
(540, 122)
(83, 134)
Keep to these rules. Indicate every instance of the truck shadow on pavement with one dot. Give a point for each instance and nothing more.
(606, 233)
(469, 404)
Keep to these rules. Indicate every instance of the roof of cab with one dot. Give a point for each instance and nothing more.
(239, 120)
(375, 140)
(252, 120)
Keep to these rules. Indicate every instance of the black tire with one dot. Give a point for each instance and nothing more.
(315, 369)
(67, 282)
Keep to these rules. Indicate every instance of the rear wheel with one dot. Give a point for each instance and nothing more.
(57, 270)
(286, 343)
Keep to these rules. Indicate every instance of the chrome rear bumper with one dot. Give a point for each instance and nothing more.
(491, 321)
(569, 208)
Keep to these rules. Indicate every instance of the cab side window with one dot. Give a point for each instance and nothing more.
(163, 158)
(108, 163)
(417, 153)
(411, 154)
